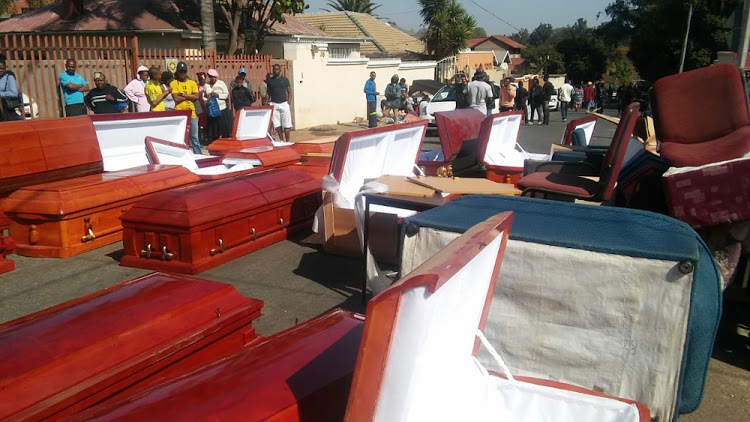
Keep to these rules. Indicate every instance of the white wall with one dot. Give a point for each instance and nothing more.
(327, 91)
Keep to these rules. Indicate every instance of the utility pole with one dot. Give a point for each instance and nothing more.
(687, 34)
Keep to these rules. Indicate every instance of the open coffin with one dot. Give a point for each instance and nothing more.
(586, 124)
(251, 129)
(417, 360)
(64, 359)
(458, 131)
(302, 374)
(638, 294)
(498, 149)
(193, 229)
(358, 157)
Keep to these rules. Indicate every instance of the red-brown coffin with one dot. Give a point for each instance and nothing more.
(64, 359)
(196, 228)
(251, 128)
(269, 157)
(66, 218)
(503, 138)
(301, 374)
(454, 128)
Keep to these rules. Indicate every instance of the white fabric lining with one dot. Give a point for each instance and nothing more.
(706, 169)
(588, 130)
(253, 123)
(502, 148)
(592, 319)
(184, 157)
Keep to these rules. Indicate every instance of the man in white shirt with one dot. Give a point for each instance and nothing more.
(566, 93)
(479, 91)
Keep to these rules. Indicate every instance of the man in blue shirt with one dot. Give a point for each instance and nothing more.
(371, 95)
(73, 86)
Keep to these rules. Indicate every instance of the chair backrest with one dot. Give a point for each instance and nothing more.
(616, 152)
(700, 105)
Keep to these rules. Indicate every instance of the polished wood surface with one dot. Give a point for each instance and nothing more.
(64, 359)
(54, 219)
(271, 158)
(7, 247)
(323, 146)
(302, 374)
(196, 228)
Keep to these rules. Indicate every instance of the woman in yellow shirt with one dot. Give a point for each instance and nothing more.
(154, 94)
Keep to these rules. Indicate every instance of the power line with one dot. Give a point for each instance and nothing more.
(496, 16)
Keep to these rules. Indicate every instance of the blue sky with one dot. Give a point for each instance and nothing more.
(519, 14)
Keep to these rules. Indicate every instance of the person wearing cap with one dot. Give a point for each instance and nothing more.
(185, 92)
(242, 73)
(479, 91)
(73, 86)
(279, 89)
(215, 88)
(135, 90)
(105, 98)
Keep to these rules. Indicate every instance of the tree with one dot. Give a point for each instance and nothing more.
(479, 32)
(584, 55)
(542, 59)
(10, 7)
(248, 21)
(208, 25)
(522, 36)
(620, 69)
(360, 6)
(541, 34)
(449, 29)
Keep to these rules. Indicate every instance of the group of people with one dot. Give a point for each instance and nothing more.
(396, 103)
(208, 99)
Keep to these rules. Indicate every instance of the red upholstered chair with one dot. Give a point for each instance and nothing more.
(576, 187)
(701, 116)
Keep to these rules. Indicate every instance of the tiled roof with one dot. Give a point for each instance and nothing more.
(110, 15)
(515, 62)
(502, 39)
(386, 39)
(294, 26)
(475, 41)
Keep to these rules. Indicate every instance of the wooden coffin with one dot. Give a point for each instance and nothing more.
(417, 359)
(69, 217)
(458, 131)
(498, 150)
(251, 128)
(268, 157)
(359, 156)
(317, 166)
(64, 359)
(193, 229)
(300, 374)
(7, 247)
(587, 123)
(316, 146)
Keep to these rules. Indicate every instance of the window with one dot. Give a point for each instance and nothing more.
(340, 52)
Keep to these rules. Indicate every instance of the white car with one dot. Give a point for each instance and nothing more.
(445, 100)
(554, 103)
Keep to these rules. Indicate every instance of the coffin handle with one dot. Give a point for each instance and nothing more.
(33, 235)
(146, 253)
(166, 256)
(215, 251)
(255, 236)
(281, 221)
(88, 237)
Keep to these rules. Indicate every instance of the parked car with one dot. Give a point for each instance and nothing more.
(445, 100)
(554, 103)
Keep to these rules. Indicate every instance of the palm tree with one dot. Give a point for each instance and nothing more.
(450, 27)
(208, 25)
(431, 7)
(361, 6)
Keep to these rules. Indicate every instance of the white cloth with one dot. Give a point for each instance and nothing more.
(566, 92)
(479, 91)
(135, 91)
(220, 88)
(282, 115)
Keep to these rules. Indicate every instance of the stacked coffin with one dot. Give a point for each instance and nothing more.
(62, 360)
(416, 361)
(69, 215)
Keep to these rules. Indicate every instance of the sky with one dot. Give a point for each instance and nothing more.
(511, 15)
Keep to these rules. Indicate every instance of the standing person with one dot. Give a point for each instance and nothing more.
(200, 108)
(548, 89)
(155, 95)
(508, 96)
(423, 105)
(522, 96)
(166, 85)
(404, 94)
(371, 96)
(601, 96)
(495, 94)
(566, 94)
(73, 86)
(9, 95)
(537, 96)
(577, 97)
(588, 97)
(216, 90)
(242, 73)
(479, 91)
(263, 89)
(135, 90)
(242, 96)
(279, 90)
(392, 98)
(105, 98)
(460, 85)
(185, 92)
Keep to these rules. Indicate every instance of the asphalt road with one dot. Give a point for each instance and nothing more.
(298, 281)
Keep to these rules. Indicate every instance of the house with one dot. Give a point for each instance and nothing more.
(506, 50)
(379, 38)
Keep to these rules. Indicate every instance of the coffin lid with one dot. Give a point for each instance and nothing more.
(69, 196)
(456, 127)
(371, 153)
(271, 156)
(283, 371)
(252, 123)
(212, 201)
(122, 137)
(587, 123)
(32, 148)
(496, 144)
(420, 331)
(66, 353)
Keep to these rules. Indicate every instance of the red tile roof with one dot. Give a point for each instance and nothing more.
(502, 39)
(515, 62)
(294, 26)
(475, 41)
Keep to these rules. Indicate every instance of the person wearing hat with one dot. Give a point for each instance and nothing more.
(135, 90)
(242, 73)
(184, 93)
(73, 86)
(104, 98)
(216, 90)
(588, 96)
